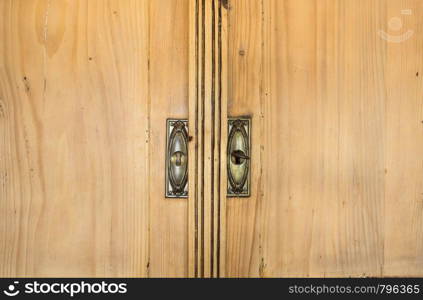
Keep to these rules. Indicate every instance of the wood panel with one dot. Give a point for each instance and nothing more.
(403, 255)
(337, 149)
(244, 99)
(83, 102)
(168, 62)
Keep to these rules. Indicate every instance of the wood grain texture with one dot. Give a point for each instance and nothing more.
(169, 99)
(83, 101)
(403, 255)
(244, 99)
(337, 138)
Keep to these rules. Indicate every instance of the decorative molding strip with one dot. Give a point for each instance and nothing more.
(207, 126)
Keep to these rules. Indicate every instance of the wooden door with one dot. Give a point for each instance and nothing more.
(334, 89)
(86, 87)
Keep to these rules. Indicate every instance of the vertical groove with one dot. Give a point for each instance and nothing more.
(147, 266)
(196, 134)
(220, 135)
(212, 142)
(203, 74)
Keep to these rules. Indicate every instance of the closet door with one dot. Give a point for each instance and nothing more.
(334, 90)
(86, 88)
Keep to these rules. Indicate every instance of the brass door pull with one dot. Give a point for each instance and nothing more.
(238, 160)
(177, 159)
(239, 157)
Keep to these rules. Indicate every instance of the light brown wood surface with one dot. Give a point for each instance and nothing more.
(85, 90)
(337, 155)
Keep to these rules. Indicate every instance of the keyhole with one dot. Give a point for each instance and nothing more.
(178, 158)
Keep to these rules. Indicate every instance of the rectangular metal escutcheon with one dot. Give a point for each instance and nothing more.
(239, 157)
(177, 158)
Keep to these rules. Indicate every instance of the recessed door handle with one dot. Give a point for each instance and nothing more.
(238, 157)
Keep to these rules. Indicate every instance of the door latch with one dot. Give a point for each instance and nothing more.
(238, 157)
(177, 159)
